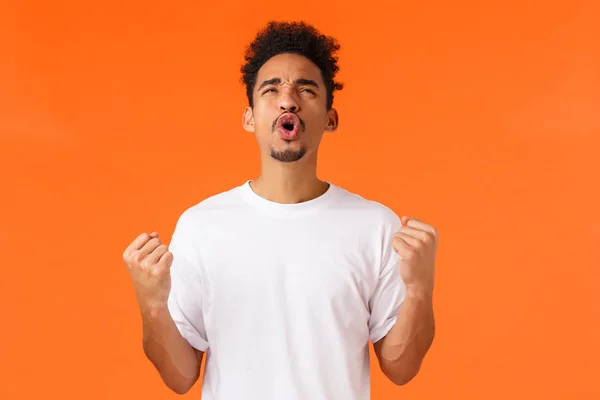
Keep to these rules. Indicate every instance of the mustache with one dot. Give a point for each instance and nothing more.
(274, 125)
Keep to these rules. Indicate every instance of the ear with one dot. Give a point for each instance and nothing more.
(332, 120)
(248, 119)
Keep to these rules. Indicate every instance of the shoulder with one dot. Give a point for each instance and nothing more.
(369, 210)
(208, 211)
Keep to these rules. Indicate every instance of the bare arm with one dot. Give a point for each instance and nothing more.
(177, 362)
(401, 352)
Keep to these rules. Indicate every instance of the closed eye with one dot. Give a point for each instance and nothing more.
(269, 90)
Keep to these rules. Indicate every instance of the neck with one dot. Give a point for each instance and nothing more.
(289, 183)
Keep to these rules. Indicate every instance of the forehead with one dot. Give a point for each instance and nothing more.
(289, 67)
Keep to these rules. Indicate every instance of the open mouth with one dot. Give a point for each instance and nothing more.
(288, 125)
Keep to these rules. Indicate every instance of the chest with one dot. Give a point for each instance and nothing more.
(283, 268)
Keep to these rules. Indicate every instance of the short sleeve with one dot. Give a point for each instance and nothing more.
(185, 298)
(389, 292)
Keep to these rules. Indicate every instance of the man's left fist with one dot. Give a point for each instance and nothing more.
(416, 244)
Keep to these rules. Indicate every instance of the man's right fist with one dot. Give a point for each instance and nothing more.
(149, 262)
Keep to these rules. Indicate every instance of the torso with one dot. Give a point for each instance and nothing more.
(286, 294)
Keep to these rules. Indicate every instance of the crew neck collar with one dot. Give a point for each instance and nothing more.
(292, 210)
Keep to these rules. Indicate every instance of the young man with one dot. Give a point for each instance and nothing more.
(283, 280)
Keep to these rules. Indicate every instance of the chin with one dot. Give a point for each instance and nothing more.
(288, 155)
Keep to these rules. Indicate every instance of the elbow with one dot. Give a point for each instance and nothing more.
(178, 383)
(401, 376)
(180, 387)
(172, 376)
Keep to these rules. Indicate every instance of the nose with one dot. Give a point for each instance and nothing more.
(288, 101)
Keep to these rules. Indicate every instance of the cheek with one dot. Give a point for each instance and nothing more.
(263, 119)
(315, 121)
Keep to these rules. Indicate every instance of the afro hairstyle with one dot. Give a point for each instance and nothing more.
(297, 38)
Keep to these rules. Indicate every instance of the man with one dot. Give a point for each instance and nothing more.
(283, 280)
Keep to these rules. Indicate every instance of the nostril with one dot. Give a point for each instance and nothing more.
(288, 108)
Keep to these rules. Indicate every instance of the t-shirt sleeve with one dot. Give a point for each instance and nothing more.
(185, 297)
(389, 292)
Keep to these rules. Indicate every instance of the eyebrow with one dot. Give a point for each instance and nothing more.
(299, 81)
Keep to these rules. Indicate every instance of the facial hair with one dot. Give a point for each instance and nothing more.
(288, 155)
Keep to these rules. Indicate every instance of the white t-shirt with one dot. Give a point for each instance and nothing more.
(284, 298)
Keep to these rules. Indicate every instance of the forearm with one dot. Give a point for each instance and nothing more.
(169, 352)
(404, 347)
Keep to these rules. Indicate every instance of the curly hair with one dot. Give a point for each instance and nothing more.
(292, 37)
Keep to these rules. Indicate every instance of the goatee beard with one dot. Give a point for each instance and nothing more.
(288, 155)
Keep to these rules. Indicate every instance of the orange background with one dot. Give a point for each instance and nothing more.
(483, 120)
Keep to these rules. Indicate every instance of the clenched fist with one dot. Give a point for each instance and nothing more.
(416, 244)
(149, 262)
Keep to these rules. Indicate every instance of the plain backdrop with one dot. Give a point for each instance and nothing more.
(481, 118)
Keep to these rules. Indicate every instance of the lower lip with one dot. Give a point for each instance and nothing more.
(288, 135)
